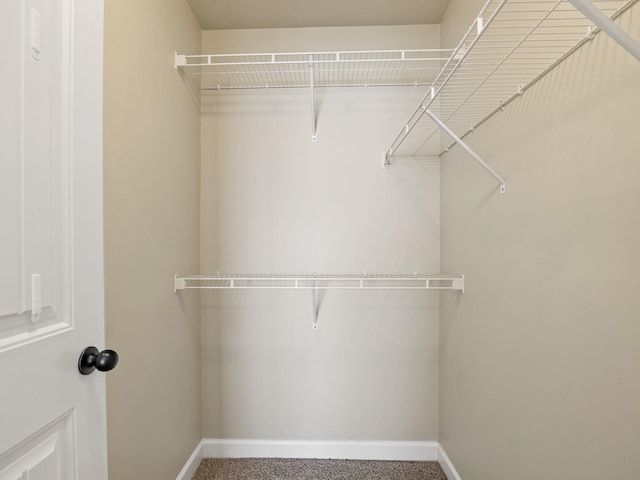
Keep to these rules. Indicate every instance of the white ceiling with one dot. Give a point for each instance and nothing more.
(240, 14)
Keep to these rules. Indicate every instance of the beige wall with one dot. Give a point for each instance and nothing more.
(540, 358)
(152, 170)
(457, 20)
(273, 201)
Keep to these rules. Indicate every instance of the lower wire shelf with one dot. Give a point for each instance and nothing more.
(315, 281)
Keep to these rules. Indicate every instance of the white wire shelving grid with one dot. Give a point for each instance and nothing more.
(216, 73)
(319, 282)
(510, 46)
(220, 72)
(312, 282)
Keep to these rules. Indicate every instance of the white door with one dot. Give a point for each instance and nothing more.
(52, 418)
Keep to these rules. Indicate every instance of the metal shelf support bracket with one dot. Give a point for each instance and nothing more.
(313, 100)
(314, 305)
(611, 28)
(466, 148)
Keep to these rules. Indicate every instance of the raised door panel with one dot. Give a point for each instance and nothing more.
(9, 171)
(34, 211)
(45, 456)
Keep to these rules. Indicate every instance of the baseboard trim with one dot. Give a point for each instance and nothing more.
(189, 469)
(447, 465)
(352, 450)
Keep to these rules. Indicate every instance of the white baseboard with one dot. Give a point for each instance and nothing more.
(352, 450)
(189, 469)
(446, 465)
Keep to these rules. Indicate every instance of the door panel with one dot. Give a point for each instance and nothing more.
(9, 141)
(36, 209)
(44, 456)
(52, 419)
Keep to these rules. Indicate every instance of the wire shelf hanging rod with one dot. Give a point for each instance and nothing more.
(267, 86)
(472, 77)
(575, 23)
(489, 42)
(320, 62)
(435, 55)
(541, 33)
(514, 60)
(335, 53)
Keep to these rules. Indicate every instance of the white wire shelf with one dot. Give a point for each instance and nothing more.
(217, 73)
(220, 72)
(510, 46)
(313, 282)
(319, 282)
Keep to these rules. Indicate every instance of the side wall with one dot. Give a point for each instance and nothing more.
(540, 358)
(274, 201)
(152, 171)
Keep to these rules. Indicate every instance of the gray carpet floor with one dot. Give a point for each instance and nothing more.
(311, 469)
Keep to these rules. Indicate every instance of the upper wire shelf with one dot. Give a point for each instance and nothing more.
(510, 45)
(219, 72)
(320, 282)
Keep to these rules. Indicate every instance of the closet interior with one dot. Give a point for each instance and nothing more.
(392, 248)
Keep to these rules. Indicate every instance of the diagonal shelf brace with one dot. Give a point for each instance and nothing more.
(611, 28)
(314, 306)
(468, 149)
(313, 100)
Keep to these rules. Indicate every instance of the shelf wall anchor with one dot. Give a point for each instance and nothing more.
(386, 158)
(179, 283)
(466, 148)
(179, 60)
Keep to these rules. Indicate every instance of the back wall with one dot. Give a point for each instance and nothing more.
(274, 201)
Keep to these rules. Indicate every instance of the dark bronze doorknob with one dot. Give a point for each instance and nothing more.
(91, 358)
